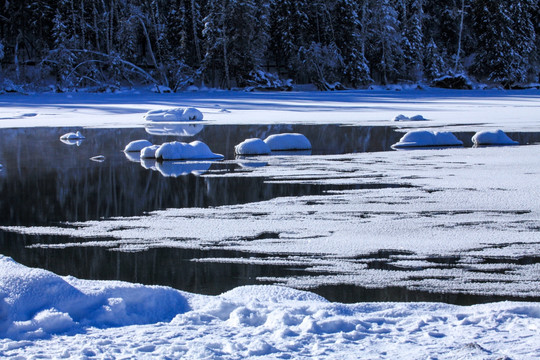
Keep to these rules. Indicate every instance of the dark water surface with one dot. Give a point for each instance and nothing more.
(45, 182)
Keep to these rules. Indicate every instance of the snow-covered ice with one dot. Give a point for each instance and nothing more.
(177, 150)
(137, 145)
(427, 138)
(495, 137)
(45, 315)
(253, 146)
(174, 114)
(288, 142)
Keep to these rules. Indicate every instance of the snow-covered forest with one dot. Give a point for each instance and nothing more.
(266, 43)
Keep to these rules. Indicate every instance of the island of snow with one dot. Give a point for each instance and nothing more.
(174, 114)
(72, 136)
(137, 145)
(176, 150)
(497, 137)
(426, 138)
(149, 152)
(402, 117)
(254, 146)
(288, 142)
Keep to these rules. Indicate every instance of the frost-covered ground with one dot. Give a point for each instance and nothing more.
(476, 208)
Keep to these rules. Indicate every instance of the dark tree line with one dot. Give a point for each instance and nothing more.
(239, 43)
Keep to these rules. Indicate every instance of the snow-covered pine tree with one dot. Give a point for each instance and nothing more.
(412, 41)
(350, 42)
(434, 65)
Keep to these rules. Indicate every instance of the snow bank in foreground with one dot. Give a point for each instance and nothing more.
(176, 150)
(497, 137)
(426, 138)
(137, 145)
(175, 114)
(42, 314)
(254, 146)
(285, 142)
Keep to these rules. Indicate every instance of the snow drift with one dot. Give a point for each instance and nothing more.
(288, 142)
(174, 114)
(137, 145)
(254, 146)
(496, 137)
(426, 138)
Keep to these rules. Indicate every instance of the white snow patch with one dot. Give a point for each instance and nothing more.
(72, 136)
(495, 137)
(254, 146)
(175, 114)
(149, 152)
(137, 145)
(427, 138)
(287, 142)
(176, 150)
(98, 158)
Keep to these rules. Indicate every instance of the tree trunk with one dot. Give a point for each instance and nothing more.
(460, 34)
(195, 36)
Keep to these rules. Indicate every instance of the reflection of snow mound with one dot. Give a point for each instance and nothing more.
(174, 114)
(176, 150)
(133, 156)
(254, 146)
(290, 141)
(175, 168)
(137, 145)
(425, 138)
(251, 164)
(497, 137)
(149, 152)
(72, 136)
(174, 129)
(72, 142)
(402, 117)
(36, 303)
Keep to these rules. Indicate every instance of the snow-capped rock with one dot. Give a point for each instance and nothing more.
(149, 152)
(183, 151)
(137, 145)
(254, 146)
(288, 141)
(426, 138)
(174, 114)
(72, 136)
(495, 137)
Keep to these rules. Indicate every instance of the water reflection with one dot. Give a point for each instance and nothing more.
(184, 130)
(182, 168)
(77, 142)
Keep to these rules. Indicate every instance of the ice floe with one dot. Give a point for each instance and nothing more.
(427, 138)
(176, 150)
(495, 137)
(137, 145)
(253, 146)
(288, 141)
(174, 114)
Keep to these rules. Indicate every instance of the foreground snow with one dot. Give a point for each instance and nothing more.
(43, 315)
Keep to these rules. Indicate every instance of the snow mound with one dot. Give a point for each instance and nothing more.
(254, 146)
(426, 138)
(271, 293)
(400, 117)
(496, 137)
(176, 150)
(418, 118)
(137, 145)
(149, 152)
(288, 141)
(36, 303)
(72, 136)
(174, 114)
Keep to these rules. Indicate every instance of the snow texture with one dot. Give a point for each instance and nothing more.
(175, 114)
(426, 138)
(149, 152)
(254, 146)
(176, 150)
(288, 142)
(72, 136)
(42, 314)
(496, 137)
(137, 145)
